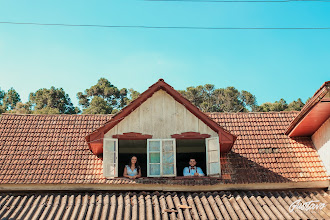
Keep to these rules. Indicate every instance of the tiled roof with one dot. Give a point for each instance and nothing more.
(52, 149)
(159, 205)
(263, 153)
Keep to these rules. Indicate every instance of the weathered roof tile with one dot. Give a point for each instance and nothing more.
(52, 149)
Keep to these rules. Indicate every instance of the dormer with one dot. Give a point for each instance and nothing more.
(162, 128)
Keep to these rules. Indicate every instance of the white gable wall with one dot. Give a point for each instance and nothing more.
(321, 140)
(161, 116)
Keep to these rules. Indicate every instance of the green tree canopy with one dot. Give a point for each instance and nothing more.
(277, 106)
(104, 98)
(133, 94)
(10, 99)
(296, 105)
(22, 108)
(51, 101)
(209, 99)
(281, 105)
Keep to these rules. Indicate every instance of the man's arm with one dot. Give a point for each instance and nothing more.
(186, 172)
(200, 171)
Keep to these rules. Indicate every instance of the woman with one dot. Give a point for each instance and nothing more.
(132, 170)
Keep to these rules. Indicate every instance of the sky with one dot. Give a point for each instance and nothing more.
(271, 64)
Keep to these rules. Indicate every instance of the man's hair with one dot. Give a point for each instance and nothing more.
(192, 158)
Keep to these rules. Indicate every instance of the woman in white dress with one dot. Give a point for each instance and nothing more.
(132, 170)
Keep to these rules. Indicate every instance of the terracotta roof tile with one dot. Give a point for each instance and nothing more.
(52, 149)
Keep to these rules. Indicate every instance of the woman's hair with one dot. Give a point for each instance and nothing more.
(137, 165)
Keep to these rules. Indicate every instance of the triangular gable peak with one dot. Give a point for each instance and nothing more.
(160, 88)
(312, 115)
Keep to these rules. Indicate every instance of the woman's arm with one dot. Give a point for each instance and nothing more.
(139, 175)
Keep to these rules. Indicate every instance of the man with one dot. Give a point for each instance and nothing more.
(192, 170)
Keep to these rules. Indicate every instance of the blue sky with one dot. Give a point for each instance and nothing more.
(271, 64)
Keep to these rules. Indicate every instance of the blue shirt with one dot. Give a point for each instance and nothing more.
(188, 171)
(131, 172)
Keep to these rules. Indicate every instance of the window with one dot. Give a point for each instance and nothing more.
(213, 157)
(129, 148)
(161, 157)
(190, 148)
(110, 157)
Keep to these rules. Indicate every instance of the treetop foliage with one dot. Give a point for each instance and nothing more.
(209, 99)
(106, 98)
(8, 100)
(51, 101)
(281, 105)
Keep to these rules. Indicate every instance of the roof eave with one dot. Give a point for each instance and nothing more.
(320, 93)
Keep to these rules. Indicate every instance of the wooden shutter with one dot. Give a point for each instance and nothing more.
(213, 156)
(110, 157)
(168, 157)
(154, 159)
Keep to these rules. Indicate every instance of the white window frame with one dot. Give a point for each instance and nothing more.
(161, 157)
(174, 155)
(105, 157)
(148, 155)
(207, 156)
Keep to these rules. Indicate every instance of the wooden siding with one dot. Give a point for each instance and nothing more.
(161, 116)
(321, 140)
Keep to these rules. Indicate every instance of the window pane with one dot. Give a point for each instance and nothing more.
(168, 145)
(168, 169)
(154, 157)
(168, 157)
(154, 145)
(213, 145)
(110, 145)
(110, 169)
(214, 168)
(112, 157)
(213, 156)
(154, 169)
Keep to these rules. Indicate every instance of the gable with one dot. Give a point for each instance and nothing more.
(95, 139)
(161, 116)
(315, 112)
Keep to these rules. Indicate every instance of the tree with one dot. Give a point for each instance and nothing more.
(193, 94)
(10, 99)
(209, 99)
(277, 106)
(281, 105)
(98, 106)
(249, 100)
(104, 98)
(22, 108)
(51, 101)
(295, 105)
(133, 94)
(2, 95)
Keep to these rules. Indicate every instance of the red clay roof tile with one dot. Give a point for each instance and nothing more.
(52, 149)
